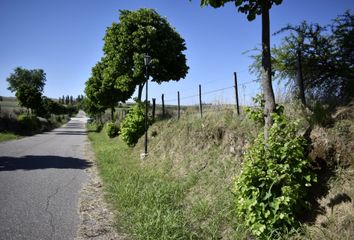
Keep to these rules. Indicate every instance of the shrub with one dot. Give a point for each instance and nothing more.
(94, 126)
(274, 179)
(321, 115)
(132, 127)
(111, 129)
(29, 123)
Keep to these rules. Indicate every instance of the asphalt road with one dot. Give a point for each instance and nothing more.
(40, 181)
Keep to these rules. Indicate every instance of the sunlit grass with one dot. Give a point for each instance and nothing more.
(5, 136)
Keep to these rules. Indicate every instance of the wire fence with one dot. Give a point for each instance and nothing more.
(212, 100)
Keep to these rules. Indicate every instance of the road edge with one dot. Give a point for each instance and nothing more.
(96, 218)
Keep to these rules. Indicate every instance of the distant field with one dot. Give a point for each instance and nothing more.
(10, 104)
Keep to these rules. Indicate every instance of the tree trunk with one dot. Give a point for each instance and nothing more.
(112, 113)
(300, 79)
(140, 91)
(267, 70)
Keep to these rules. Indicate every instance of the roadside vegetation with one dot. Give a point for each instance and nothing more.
(276, 171)
(5, 136)
(185, 188)
(16, 121)
(30, 112)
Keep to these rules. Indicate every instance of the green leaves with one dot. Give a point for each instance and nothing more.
(132, 127)
(251, 8)
(274, 179)
(28, 85)
(140, 32)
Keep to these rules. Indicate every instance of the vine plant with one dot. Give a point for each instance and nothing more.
(275, 178)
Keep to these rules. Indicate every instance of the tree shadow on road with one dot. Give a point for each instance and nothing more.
(42, 162)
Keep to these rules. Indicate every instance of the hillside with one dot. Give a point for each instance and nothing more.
(184, 188)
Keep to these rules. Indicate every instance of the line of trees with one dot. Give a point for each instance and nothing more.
(28, 86)
(315, 61)
(121, 70)
(70, 99)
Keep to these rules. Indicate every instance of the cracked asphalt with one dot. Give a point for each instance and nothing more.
(40, 182)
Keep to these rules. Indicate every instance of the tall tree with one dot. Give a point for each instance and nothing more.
(343, 41)
(252, 8)
(143, 32)
(105, 91)
(327, 67)
(297, 42)
(28, 85)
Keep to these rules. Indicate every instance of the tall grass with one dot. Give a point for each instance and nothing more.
(182, 190)
(168, 195)
(6, 136)
(148, 203)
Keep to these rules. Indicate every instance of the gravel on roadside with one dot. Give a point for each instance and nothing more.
(96, 218)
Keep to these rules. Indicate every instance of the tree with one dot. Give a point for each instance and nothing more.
(252, 8)
(326, 59)
(143, 32)
(71, 100)
(297, 43)
(343, 34)
(92, 109)
(106, 92)
(28, 85)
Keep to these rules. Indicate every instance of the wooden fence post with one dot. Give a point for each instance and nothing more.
(200, 101)
(163, 105)
(236, 94)
(153, 109)
(178, 106)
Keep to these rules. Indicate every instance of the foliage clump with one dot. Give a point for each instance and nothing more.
(29, 123)
(111, 129)
(275, 178)
(132, 127)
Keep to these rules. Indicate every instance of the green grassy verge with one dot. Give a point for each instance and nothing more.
(148, 203)
(183, 189)
(8, 136)
(163, 198)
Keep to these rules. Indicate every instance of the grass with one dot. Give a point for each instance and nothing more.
(6, 136)
(183, 189)
(148, 203)
(169, 195)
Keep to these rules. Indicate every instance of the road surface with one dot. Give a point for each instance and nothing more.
(40, 180)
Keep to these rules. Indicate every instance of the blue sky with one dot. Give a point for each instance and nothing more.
(64, 38)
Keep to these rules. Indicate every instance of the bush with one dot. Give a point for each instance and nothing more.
(29, 123)
(111, 129)
(274, 180)
(321, 115)
(133, 125)
(94, 126)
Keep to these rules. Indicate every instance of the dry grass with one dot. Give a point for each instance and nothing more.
(209, 149)
(203, 157)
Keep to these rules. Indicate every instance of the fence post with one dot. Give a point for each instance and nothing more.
(200, 101)
(163, 105)
(178, 106)
(236, 94)
(153, 109)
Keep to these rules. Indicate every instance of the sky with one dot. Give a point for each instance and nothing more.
(65, 39)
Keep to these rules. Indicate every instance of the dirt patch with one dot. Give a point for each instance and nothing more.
(96, 218)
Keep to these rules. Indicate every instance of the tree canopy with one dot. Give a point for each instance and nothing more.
(251, 8)
(143, 32)
(106, 92)
(28, 85)
(326, 55)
